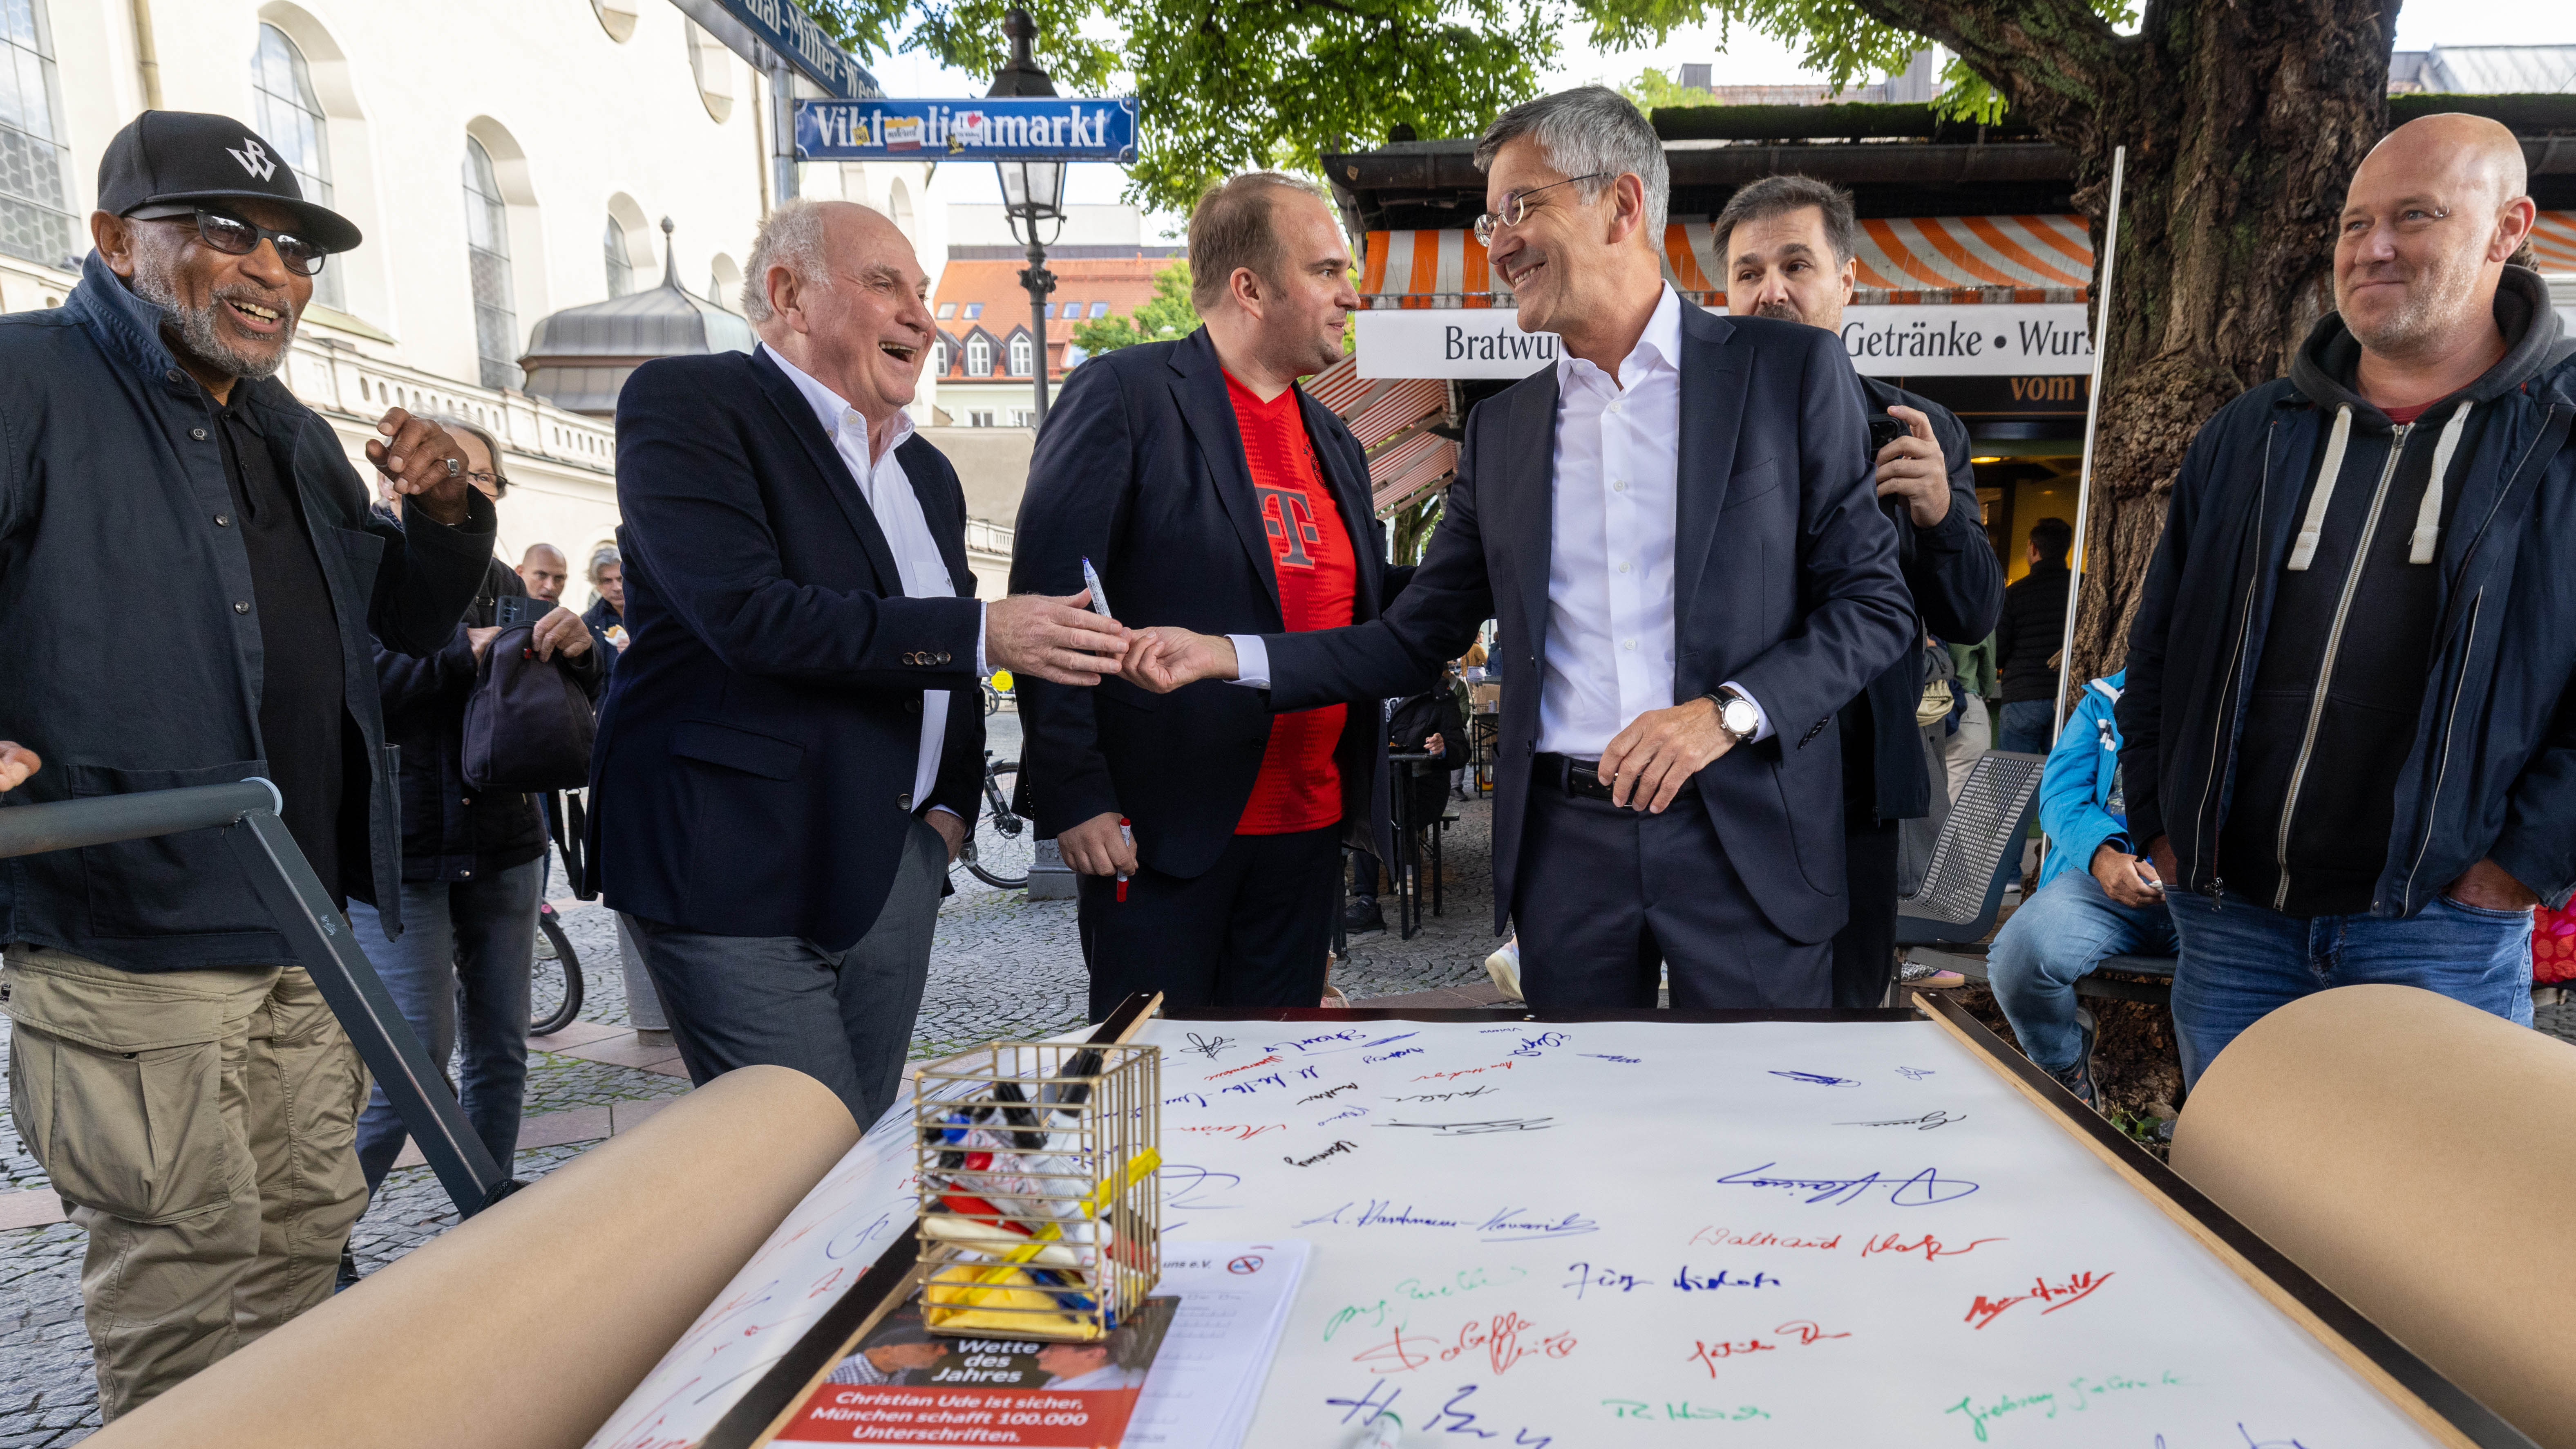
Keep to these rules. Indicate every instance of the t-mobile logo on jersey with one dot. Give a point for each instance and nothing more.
(1287, 517)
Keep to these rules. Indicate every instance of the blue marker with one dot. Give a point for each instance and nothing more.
(1099, 595)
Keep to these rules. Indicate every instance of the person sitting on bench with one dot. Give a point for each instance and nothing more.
(2096, 898)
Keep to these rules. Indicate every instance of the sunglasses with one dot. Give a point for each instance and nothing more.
(233, 236)
(1516, 208)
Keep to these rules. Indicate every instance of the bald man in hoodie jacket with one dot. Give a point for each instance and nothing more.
(2350, 745)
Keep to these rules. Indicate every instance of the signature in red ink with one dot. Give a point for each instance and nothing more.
(1247, 1066)
(1930, 1247)
(1505, 1339)
(2076, 1288)
(1797, 1333)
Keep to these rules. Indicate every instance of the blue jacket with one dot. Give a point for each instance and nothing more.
(2079, 794)
(1785, 580)
(128, 657)
(753, 773)
(2492, 768)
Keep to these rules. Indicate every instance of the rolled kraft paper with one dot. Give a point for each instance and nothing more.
(2412, 1153)
(525, 1326)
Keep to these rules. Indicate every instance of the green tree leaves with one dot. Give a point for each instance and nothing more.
(1166, 317)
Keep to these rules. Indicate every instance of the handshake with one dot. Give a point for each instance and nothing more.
(1062, 640)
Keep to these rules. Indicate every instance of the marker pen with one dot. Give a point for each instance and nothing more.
(1126, 837)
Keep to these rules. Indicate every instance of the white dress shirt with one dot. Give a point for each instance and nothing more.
(1613, 515)
(882, 482)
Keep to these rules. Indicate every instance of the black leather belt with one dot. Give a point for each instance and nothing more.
(1579, 778)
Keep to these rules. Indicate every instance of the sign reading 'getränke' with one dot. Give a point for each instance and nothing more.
(1034, 128)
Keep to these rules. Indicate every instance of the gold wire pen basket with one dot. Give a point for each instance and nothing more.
(1041, 1213)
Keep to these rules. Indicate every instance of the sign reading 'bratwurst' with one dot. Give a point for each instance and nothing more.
(2015, 339)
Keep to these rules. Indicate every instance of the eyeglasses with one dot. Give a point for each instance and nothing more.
(1516, 205)
(482, 479)
(233, 236)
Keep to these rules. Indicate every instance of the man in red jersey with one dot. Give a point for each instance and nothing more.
(1209, 492)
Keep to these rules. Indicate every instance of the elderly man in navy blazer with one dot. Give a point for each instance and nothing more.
(781, 778)
(1676, 527)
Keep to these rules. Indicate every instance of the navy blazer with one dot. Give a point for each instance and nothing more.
(753, 775)
(1784, 580)
(1141, 469)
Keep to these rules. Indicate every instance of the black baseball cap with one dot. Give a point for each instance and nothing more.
(186, 156)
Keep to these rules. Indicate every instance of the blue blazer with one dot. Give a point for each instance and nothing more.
(753, 774)
(1784, 578)
(1141, 469)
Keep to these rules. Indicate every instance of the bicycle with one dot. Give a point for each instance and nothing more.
(996, 688)
(553, 945)
(1004, 841)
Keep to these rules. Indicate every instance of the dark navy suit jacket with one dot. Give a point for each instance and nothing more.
(753, 775)
(1784, 579)
(1141, 469)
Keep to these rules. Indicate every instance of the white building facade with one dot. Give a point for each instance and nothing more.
(505, 160)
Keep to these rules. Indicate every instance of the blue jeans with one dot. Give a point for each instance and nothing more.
(2240, 961)
(479, 934)
(2023, 727)
(2059, 935)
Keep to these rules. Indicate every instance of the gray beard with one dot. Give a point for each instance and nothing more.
(192, 330)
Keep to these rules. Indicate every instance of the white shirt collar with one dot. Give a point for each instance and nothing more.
(834, 412)
(1660, 345)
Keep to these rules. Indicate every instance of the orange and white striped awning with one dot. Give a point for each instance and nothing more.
(1910, 259)
(2553, 241)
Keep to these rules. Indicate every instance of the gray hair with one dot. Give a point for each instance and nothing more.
(791, 237)
(491, 445)
(604, 557)
(1773, 195)
(1590, 131)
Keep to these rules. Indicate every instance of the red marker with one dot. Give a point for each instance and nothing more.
(1127, 838)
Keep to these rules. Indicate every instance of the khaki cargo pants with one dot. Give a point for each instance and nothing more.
(201, 1126)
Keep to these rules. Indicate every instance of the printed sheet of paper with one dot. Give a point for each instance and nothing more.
(1235, 1299)
(1760, 1234)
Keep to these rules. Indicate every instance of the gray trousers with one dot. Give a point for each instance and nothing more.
(842, 1017)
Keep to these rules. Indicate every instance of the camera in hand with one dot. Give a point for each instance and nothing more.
(1883, 431)
(513, 610)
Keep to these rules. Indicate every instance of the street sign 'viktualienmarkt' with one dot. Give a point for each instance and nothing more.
(1036, 128)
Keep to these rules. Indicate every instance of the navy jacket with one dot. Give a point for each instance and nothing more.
(451, 831)
(2491, 771)
(1785, 581)
(1957, 585)
(753, 774)
(128, 656)
(1141, 469)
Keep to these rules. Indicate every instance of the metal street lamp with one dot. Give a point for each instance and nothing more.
(1032, 191)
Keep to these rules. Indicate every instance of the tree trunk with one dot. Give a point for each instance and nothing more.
(2244, 122)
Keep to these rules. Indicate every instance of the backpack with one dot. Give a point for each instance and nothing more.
(528, 726)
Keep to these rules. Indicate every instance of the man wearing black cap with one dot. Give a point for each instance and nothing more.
(181, 1083)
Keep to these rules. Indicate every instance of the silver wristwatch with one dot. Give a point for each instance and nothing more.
(1736, 715)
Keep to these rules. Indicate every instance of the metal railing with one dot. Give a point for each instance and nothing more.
(317, 934)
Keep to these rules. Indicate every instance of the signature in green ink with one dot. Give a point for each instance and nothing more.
(1390, 1310)
(1679, 1410)
(2076, 1397)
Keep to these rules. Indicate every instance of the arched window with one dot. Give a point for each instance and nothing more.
(487, 247)
(290, 116)
(979, 356)
(621, 271)
(33, 221)
(1020, 356)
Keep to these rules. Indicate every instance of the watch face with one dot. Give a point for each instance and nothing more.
(1739, 718)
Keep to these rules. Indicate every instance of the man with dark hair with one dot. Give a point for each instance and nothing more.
(2350, 741)
(1209, 490)
(2028, 638)
(1789, 245)
(179, 1079)
(1676, 531)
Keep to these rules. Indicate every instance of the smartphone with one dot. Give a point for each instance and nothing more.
(1883, 431)
(514, 610)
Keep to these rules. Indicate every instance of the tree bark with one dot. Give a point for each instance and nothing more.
(2244, 121)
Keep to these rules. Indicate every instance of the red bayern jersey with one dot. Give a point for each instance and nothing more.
(1300, 786)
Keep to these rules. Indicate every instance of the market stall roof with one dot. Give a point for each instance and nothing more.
(1398, 424)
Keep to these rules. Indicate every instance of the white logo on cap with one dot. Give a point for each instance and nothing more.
(253, 159)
